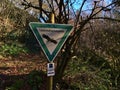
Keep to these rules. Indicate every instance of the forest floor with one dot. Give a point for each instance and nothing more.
(17, 70)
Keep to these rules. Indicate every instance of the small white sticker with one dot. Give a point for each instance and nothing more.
(50, 69)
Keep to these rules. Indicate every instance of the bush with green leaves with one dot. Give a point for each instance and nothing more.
(89, 71)
(34, 80)
(14, 29)
(12, 49)
(16, 86)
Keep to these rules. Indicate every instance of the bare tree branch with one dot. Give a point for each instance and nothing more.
(77, 18)
(93, 9)
(29, 4)
(40, 5)
(102, 9)
(71, 4)
(111, 19)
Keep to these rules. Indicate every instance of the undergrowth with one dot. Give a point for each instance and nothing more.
(89, 71)
(15, 37)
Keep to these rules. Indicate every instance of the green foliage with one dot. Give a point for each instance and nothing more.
(109, 43)
(16, 86)
(12, 49)
(30, 41)
(89, 71)
(34, 80)
(12, 28)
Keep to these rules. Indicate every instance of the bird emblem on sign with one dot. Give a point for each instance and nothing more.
(49, 39)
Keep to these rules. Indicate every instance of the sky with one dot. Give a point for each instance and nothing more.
(88, 4)
(76, 5)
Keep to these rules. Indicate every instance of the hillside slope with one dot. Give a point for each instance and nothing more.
(14, 30)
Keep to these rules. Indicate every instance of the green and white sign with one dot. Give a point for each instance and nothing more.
(51, 37)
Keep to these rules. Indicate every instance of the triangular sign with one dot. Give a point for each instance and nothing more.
(51, 37)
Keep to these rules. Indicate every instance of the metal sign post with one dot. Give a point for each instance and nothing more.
(50, 66)
(50, 74)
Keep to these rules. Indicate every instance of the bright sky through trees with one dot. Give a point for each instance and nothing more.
(88, 4)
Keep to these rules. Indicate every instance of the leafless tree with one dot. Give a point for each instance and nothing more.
(65, 13)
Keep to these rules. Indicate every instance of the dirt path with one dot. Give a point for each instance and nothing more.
(19, 68)
(22, 64)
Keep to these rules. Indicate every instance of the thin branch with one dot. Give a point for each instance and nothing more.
(66, 14)
(102, 8)
(112, 19)
(56, 2)
(50, 5)
(83, 22)
(29, 4)
(93, 9)
(40, 5)
(77, 18)
(73, 10)
(60, 10)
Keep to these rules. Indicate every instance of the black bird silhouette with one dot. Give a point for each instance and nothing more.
(49, 39)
